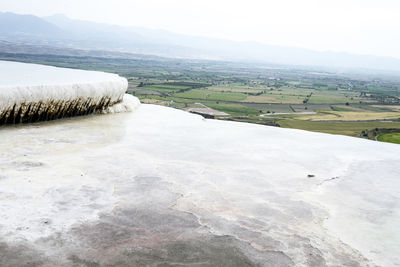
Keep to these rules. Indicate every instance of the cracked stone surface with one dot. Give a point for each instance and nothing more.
(162, 187)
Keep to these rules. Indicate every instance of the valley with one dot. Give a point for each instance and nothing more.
(347, 103)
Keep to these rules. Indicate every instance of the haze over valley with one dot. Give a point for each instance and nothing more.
(61, 31)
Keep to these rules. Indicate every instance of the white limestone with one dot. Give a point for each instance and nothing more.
(227, 174)
(30, 92)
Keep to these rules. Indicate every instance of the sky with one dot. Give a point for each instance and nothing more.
(354, 26)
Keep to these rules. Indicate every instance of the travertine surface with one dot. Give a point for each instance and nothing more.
(31, 92)
(162, 187)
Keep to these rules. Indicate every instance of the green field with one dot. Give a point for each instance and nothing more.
(238, 110)
(389, 137)
(205, 94)
(334, 127)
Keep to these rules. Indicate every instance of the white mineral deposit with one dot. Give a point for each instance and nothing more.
(159, 186)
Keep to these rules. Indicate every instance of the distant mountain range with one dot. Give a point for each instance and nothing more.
(60, 31)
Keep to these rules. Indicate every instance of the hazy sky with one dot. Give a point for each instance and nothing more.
(357, 26)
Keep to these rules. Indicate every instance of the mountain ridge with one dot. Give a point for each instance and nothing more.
(59, 30)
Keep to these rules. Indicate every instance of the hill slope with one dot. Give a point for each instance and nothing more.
(59, 30)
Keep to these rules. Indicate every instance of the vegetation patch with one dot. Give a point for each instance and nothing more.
(389, 137)
(355, 129)
(350, 116)
(235, 110)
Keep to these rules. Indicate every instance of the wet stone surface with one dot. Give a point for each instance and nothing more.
(143, 189)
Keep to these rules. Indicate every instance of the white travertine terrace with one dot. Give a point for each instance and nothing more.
(162, 187)
(30, 92)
